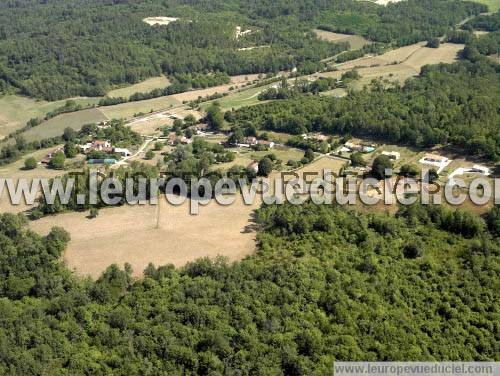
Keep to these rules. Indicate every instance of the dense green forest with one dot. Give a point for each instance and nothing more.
(325, 284)
(448, 103)
(58, 49)
(489, 22)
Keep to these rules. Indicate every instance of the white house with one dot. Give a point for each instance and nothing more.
(269, 144)
(123, 151)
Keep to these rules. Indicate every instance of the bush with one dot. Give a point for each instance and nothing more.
(70, 150)
(36, 214)
(433, 43)
(30, 163)
(94, 212)
(433, 175)
(357, 159)
(308, 156)
(412, 251)
(265, 167)
(409, 170)
(158, 146)
(380, 164)
(57, 161)
(149, 155)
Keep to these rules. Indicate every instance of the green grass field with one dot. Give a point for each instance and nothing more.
(493, 5)
(15, 110)
(55, 126)
(141, 87)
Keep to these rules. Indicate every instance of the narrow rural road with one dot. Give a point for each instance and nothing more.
(141, 149)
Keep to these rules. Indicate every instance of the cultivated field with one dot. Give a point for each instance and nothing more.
(246, 97)
(336, 93)
(385, 2)
(195, 94)
(143, 234)
(15, 110)
(245, 78)
(355, 41)
(55, 126)
(399, 64)
(127, 110)
(141, 87)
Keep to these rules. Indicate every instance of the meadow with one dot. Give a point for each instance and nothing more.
(163, 234)
(55, 126)
(16, 110)
(141, 87)
(355, 41)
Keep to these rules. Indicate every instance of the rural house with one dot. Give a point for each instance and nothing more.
(124, 152)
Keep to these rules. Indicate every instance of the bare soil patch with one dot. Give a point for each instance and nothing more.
(159, 20)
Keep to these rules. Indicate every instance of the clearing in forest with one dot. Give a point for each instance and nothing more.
(159, 20)
(163, 234)
(145, 86)
(399, 64)
(355, 41)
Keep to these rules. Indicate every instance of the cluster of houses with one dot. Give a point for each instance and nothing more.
(253, 141)
(104, 146)
(96, 145)
(173, 140)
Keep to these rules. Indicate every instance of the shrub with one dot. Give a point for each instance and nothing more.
(30, 163)
(94, 212)
(57, 161)
(380, 164)
(357, 159)
(265, 167)
(412, 251)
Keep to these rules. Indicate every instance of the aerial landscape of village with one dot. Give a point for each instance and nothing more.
(229, 187)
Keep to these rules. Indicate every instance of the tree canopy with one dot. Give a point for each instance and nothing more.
(60, 49)
(326, 284)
